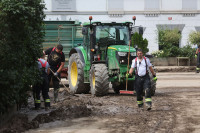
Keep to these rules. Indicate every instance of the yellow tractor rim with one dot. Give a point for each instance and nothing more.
(74, 73)
(93, 80)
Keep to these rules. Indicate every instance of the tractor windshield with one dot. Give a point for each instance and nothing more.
(112, 35)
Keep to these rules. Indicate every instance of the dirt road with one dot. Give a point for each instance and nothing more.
(176, 109)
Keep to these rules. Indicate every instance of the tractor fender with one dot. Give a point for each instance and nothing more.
(80, 51)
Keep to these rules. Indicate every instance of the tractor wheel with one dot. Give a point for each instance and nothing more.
(76, 75)
(153, 83)
(122, 86)
(117, 88)
(131, 85)
(99, 83)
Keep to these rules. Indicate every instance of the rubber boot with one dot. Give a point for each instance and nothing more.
(47, 104)
(56, 95)
(148, 104)
(37, 106)
(141, 106)
(197, 70)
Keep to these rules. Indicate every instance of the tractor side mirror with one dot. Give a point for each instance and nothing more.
(84, 30)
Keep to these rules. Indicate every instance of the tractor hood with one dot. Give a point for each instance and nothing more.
(122, 48)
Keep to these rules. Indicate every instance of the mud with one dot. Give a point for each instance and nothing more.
(30, 119)
(175, 110)
(115, 110)
(19, 123)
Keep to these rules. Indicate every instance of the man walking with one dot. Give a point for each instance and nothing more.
(56, 59)
(42, 86)
(197, 55)
(142, 80)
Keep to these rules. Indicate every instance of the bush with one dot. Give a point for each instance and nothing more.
(168, 37)
(21, 23)
(158, 53)
(137, 40)
(169, 42)
(194, 37)
(187, 51)
(173, 51)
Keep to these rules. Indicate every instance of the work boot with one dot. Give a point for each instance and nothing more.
(37, 106)
(141, 106)
(56, 95)
(197, 70)
(47, 108)
(148, 106)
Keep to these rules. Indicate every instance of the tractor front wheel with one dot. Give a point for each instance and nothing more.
(76, 75)
(99, 82)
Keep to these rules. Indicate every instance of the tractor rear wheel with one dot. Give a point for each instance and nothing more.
(99, 82)
(122, 86)
(153, 83)
(76, 75)
(117, 88)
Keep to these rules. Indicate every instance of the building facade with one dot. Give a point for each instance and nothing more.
(151, 14)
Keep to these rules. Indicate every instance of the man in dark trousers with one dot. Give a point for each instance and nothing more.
(43, 85)
(56, 59)
(141, 64)
(197, 55)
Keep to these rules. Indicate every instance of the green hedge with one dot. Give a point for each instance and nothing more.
(173, 51)
(21, 23)
(169, 45)
(194, 37)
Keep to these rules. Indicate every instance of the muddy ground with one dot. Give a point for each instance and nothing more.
(176, 109)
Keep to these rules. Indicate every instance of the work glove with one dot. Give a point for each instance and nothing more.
(128, 75)
(155, 78)
(56, 74)
(195, 56)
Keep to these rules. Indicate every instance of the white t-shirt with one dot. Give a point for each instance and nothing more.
(141, 67)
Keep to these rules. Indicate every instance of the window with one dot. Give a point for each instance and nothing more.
(112, 35)
(152, 5)
(115, 5)
(189, 4)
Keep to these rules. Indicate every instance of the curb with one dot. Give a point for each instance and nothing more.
(175, 68)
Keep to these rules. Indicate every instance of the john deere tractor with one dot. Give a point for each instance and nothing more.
(101, 58)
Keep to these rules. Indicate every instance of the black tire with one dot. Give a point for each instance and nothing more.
(99, 82)
(117, 88)
(122, 86)
(76, 76)
(153, 83)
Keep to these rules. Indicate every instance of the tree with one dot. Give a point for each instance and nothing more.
(139, 42)
(194, 37)
(21, 26)
(168, 41)
(166, 37)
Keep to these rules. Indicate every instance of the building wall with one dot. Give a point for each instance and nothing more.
(149, 13)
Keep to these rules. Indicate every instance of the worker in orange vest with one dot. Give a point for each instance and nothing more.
(43, 86)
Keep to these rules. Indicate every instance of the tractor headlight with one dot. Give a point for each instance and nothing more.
(122, 53)
(133, 53)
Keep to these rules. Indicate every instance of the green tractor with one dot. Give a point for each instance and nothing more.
(101, 58)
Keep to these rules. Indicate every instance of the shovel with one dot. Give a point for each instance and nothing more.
(60, 81)
(126, 91)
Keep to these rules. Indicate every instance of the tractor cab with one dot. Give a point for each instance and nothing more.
(98, 37)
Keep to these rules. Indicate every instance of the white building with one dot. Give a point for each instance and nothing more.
(182, 14)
